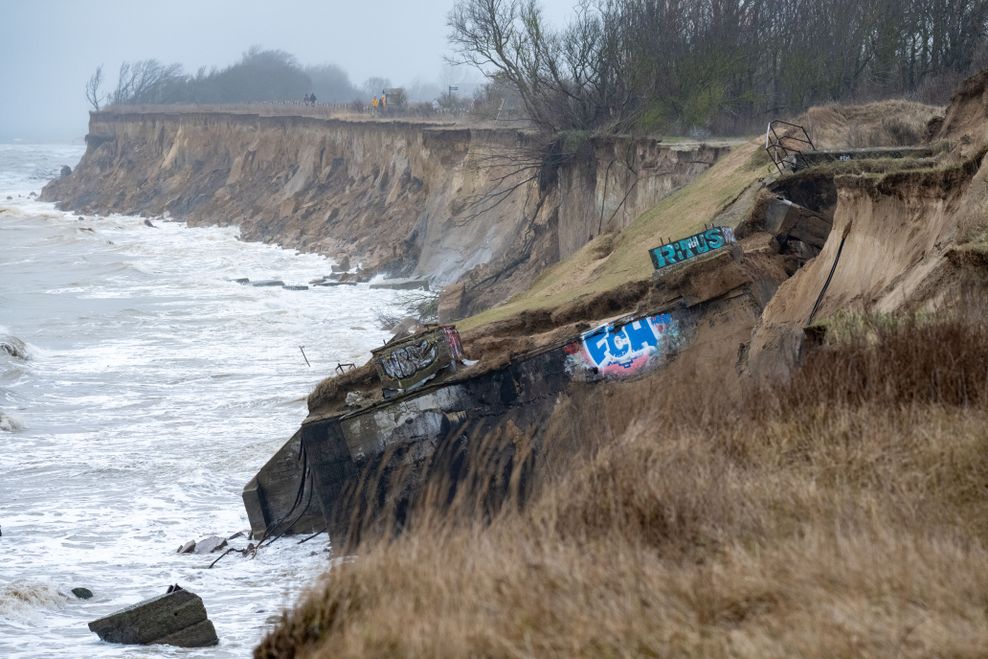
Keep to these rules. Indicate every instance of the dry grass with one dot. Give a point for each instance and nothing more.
(892, 122)
(846, 515)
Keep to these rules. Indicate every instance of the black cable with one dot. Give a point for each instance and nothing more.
(826, 285)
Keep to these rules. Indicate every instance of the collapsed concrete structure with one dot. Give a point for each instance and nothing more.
(866, 229)
(176, 618)
(314, 482)
(730, 301)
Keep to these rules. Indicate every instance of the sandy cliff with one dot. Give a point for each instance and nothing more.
(409, 198)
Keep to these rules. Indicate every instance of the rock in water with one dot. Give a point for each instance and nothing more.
(402, 284)
(210, 544)
(343, 265)
(82, 593)
(65, 171)
(176, 618)
(188, 547)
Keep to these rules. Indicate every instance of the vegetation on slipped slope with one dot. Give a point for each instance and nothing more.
(613, 260)
(844, 515)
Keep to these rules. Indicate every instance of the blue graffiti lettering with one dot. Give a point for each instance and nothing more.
(700, 244)
(596, 344)
(617, 343)
(714, 238)
(621, 346)
(640, 334)
(666, 254)
(691, 246)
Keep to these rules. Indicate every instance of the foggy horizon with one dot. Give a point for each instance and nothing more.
(52, 47)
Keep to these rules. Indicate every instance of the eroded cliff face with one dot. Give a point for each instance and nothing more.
(601, 192)
(408, 198)
(911, 241)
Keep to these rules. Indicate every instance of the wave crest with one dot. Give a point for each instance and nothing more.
(13, 347)
(10, 423)
(21, 596)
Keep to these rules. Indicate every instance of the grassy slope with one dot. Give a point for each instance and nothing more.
(680, 214)
(844, 516)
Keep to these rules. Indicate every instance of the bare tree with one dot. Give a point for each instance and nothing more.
(331, 83)
(147, 81)
(722, 65)
(93, 93)
(572, 79)
(375, 86)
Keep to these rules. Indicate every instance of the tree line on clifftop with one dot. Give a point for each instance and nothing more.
(674, 66)
(259, 76)
(724, 66)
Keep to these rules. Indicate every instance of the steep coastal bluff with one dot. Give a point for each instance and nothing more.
(404, 197)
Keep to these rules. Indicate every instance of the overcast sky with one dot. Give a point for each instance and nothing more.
(49, 48)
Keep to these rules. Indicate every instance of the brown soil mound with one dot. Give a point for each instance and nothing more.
(329, 396)
(967, 114)
(892, 122)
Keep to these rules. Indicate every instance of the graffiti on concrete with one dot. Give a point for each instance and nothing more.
(453, 341)
(617, 351)
(409, 363)
(691, 246)
(404, 362)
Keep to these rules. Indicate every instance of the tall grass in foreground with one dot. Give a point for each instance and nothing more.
(843, 515)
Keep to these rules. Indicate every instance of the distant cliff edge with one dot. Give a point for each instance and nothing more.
(408, 198)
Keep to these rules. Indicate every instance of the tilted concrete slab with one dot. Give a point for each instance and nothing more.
(176, 618)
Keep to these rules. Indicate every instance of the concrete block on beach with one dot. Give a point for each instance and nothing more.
(176, 618)
(402, 284)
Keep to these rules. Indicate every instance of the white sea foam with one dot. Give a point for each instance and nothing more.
(10, 423)
(156, 388)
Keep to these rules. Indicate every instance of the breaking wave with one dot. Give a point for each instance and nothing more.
(10, 423)
(19, 597)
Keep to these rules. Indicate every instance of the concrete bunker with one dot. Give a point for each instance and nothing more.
(317, 480)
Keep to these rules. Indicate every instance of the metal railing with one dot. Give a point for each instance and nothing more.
(782, 148)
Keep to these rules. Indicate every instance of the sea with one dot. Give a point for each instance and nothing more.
(152, 387)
